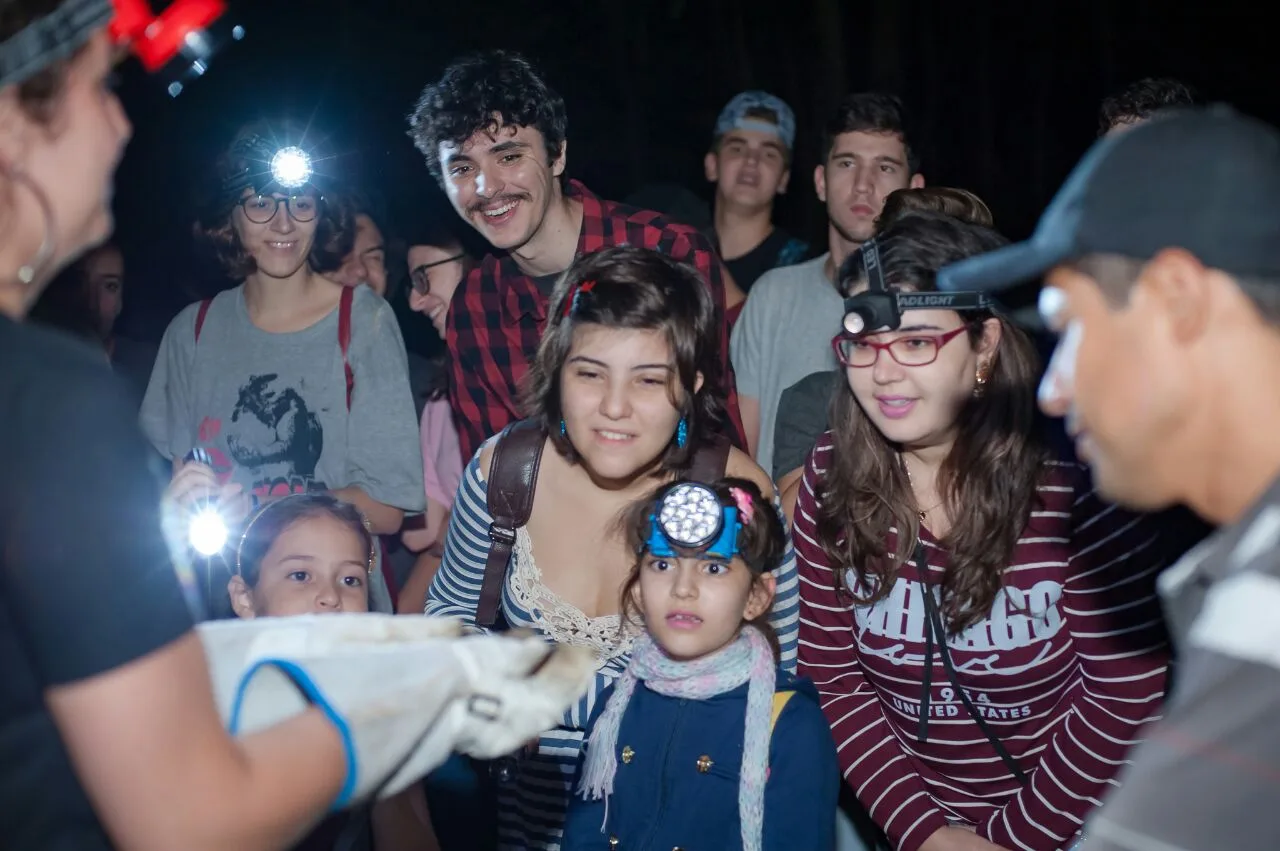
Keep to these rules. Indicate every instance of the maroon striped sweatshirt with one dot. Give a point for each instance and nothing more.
(1067, 669)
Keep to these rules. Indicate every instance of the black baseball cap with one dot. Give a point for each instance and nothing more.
(1203, 179)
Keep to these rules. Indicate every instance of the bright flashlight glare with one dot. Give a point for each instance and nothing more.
(207, 532)
(291, 167)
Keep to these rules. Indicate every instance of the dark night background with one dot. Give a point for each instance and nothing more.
(1004, 95)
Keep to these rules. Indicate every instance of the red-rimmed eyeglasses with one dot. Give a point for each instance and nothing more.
(909, 350)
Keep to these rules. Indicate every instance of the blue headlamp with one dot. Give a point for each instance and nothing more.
(691, 517)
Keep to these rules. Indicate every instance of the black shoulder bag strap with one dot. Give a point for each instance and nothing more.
(709, 461)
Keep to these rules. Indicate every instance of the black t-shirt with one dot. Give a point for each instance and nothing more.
(85, 579)
(777, 249)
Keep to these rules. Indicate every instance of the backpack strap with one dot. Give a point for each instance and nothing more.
(710, 461)
(201, 314)
(513, 476)
(780, 699)
(344, 338)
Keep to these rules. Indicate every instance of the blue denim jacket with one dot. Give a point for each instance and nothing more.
(677, 779)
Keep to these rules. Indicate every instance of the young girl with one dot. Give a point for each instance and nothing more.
(302, 554)
(982, 628)
(313, 554)
(704, 742)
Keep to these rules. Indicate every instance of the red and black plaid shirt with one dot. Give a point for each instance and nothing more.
(497, 319)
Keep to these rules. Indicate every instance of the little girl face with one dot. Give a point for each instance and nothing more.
(318, 564)
(696, 605)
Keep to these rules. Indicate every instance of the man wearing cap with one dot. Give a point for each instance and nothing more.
(1162, 254)
(750, 164)
(785, 329)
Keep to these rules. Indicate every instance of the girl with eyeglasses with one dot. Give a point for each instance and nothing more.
(982, 628)
(291, 382)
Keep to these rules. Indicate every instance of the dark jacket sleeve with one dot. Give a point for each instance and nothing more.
(804, 781)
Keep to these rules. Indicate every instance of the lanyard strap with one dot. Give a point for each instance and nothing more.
(934, 631)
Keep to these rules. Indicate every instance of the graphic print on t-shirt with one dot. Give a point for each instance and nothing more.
(275, 434)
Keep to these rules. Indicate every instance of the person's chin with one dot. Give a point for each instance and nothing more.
(505, 234)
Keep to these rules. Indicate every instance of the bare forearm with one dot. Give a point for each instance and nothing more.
(413, 596)
(749, 407)
(162, 772)
(383, 519)
(289, 777)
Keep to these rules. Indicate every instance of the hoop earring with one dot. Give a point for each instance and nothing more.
(28, 272)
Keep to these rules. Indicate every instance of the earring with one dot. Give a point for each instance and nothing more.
(28, 272)
(982, 376)
(682, 433)
(564, 432)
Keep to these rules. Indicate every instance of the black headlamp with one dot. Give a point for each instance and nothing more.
(879, 308)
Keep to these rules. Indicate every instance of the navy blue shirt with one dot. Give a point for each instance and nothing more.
(663, 799)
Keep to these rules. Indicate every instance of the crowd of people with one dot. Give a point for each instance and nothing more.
(846, 586)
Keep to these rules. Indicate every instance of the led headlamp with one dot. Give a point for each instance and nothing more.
(690, 516)
(879, 308)
(267, 168)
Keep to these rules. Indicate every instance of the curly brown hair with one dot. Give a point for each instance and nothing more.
(640, 289)
(215, 230)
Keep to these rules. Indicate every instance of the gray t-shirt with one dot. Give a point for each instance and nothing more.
(271, 409)
(784, 334)
(1208, 775)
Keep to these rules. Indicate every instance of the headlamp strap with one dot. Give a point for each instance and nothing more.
(51, 38)
(871, 262)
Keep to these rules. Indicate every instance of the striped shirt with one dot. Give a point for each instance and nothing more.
(532, 808)
(1066, 670)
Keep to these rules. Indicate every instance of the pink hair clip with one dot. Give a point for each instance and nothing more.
(745, 504)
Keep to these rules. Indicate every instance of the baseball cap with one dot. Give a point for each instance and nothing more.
(1203, 179)
(734, 116)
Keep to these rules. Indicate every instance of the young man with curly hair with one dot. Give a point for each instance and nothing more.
(493, 133)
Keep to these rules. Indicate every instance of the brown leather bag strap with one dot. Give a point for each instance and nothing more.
(513, 476)
(710, 461)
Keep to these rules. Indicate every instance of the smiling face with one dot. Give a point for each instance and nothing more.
(502, 182)
(317, 565)
(367, 263)
(918, 406)
(279, 245)
(695, 606)
(436, 273)
(617, 392)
